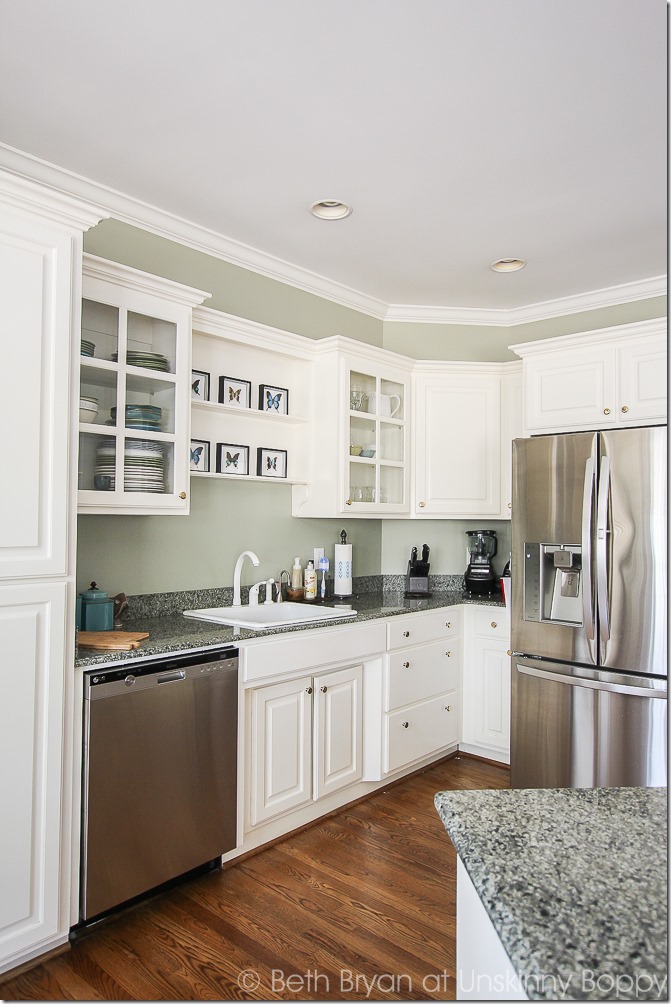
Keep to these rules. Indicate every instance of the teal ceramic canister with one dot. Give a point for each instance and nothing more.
(97, 609)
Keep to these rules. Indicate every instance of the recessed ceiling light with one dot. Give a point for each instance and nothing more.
(507, 265)
(330, 209)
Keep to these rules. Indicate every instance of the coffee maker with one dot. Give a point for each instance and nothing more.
(480, 577)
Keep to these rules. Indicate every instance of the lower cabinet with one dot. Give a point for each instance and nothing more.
(486, 683)
(306, 740)
(32, 628)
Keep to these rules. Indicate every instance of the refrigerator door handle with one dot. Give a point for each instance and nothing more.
(579, 681)
(586, 546)
(602, 532)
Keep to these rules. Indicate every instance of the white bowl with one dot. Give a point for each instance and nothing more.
(87, 412)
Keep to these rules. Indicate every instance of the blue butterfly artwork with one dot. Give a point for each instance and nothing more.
(273, 401)
(196, 455)
(271, 463)
(195, 386)
(232, 459)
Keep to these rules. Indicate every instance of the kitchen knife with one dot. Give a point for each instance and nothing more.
(425, 553)
(413, 556)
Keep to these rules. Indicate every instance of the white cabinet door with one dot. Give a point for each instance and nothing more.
(570, 389)
(35, 320)
(338, 735)
(281, 748)
(32, 640)
(457, 445)
(486, 683)
(642, 368)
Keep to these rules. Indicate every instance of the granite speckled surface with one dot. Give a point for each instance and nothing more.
(575, 884)
(169, 631)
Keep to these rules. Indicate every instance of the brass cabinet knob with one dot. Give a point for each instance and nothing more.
(405, 724)
(448, 654)
(606, 411)
(494, 624)
(348, 502)
(406, 634)
(422, 504)
(624, 409)
(448, 707)
(323, 689)
(182, 495)
(308, 690)
(509, 652)
(449, 624)
(406, 665)
(510, 505)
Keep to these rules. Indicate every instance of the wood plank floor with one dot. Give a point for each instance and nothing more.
(358, 906)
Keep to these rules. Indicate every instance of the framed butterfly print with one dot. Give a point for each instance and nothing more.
(271, 463)
(273, 399)
(235, 393)
(200, 385)
(232, 458)
(199, 455)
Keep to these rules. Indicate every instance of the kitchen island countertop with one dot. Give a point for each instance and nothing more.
(173, 632)
(574, 882)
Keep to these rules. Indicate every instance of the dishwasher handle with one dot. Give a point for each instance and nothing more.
(173, 677)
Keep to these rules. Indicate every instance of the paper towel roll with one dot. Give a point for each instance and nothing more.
(342, 572)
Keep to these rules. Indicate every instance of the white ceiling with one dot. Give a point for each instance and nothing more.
(460, 131)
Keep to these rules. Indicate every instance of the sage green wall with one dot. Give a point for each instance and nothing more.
(490, 344)
(155, 554)
(445, 537)
(234, 289)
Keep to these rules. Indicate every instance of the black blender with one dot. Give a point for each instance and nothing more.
(480, 577)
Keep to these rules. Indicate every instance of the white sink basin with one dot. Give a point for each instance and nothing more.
(272, 615)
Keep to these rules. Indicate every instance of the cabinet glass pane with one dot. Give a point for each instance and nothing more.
(391, 485)
(148, 466)
(361, 482)
(152, 343)
(361, 391)
(150, 404)
(98, 390)
(362, 436)
(391, 442)
(100, 330)
(97, 462)
(391, 401)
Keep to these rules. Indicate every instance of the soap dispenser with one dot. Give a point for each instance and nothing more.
(310, 582)
(295, 591)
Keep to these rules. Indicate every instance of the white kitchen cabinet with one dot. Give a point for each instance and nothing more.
(463, 428)
(40, 264)
(32, 691)
(255, 395)
(414, 710)
(359, 433)
(486, 683)
(611, 378)
(305, 741)
(135, 366)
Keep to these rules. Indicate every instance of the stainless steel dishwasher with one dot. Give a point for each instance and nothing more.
(159, 777)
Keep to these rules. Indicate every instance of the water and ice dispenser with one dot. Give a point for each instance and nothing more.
(553, 583)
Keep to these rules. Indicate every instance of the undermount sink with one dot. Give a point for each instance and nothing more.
(271, 615)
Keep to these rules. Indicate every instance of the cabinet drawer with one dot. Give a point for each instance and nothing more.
(415, 629)
(492, 622)
(418, 731)
(418, 673)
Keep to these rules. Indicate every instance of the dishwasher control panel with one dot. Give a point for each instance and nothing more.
(158, 672)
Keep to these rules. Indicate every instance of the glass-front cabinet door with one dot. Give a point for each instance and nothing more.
(134, 391)
(377, 467)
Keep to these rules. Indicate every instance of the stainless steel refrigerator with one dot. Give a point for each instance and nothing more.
(589, 666)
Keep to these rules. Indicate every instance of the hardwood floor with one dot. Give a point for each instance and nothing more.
(358, 906)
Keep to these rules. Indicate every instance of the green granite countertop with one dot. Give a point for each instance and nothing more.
(575, 884)
(172, 632)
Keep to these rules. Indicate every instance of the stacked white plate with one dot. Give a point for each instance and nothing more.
(143, 464)
(148, 360)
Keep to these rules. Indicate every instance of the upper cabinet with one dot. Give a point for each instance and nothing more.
(251, 389)
(614, 377)
(135, 369)
(359, 433)
(466, 416)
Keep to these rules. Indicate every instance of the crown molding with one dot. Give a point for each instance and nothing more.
(66, 185)
(564, 343)
(612, 296)
(143, 282)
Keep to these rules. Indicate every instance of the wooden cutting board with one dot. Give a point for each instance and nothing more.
(111, 641)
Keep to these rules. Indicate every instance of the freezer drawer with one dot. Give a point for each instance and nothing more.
(582, 728)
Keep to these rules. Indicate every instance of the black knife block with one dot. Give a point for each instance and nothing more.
(417, 580)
